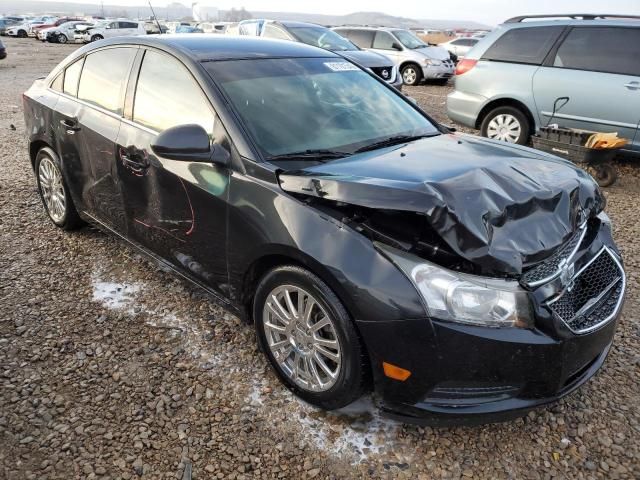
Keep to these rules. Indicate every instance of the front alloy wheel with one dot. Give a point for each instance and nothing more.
(62, 38)
(309, 338)
(411, 75)
(302, 338)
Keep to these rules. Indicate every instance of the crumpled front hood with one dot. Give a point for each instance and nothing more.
(437, 53)
(500, 206)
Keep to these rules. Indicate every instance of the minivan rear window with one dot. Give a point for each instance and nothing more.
(362, 38)
(528, 45)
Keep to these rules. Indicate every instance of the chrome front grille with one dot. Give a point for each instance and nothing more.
(593, 295)
(552, 267)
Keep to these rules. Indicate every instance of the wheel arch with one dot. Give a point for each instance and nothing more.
(34, 147)
(506, 102)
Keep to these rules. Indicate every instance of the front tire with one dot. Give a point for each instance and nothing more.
(95, 38)
(308, 337)
(54, 192)
(62, 38)
(22, 34)
(507, 124)
(411, 74)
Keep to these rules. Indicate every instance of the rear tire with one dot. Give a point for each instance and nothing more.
(325, 365)
(411, 74)
(54, 191)
(507, 124)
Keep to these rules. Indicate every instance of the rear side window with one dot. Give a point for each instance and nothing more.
(601, 49)
(71, 76)
(528, 45)
(167, 95)
(272, 31)
(104, 78)
(362, 38)
(383, 41)
(128, 25)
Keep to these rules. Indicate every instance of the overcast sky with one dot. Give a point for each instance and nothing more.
(487, 11)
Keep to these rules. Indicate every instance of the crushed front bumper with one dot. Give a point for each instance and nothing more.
(464, 374)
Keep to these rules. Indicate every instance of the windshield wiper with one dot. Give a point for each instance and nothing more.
(388, 142)
(319, 155)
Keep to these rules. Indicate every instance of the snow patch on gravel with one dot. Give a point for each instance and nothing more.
(113, 295)
(358, 430)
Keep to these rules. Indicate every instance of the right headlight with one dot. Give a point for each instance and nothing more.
(463, 298)
(431, 62)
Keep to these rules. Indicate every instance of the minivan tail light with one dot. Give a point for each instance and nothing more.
(465, 65)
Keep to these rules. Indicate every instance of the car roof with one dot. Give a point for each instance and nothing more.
(386, 29)
(574, 22)
(215, 47)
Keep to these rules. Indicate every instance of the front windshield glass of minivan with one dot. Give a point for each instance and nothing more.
(409, 40)
(323, 105)
(323, 38)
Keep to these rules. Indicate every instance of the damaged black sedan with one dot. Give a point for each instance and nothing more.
(461, 279)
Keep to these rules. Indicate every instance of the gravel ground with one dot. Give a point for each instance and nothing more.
(112, 368)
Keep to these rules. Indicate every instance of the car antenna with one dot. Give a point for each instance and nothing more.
(155, 18)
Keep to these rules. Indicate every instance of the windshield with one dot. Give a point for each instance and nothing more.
(323, 38)
(409, 40)
(310, 104)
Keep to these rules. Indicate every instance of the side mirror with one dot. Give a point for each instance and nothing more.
(396, 46)
(189, 143)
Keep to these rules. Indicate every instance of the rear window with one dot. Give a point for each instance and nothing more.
(362, 38)
(601, 49)
(104, 78)
(528, 45)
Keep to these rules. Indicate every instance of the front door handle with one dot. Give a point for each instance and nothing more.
(70, 125)
(133, 159)
(633, 85)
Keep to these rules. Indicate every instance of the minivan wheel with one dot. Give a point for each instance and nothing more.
(54, 192)
(411, 74)
(95, 38)
(309, 338)
(507, 124)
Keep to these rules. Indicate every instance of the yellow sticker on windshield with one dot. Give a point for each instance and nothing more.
(341, 66)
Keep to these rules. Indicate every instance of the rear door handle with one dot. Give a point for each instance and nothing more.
(70, 125)
(633, 85)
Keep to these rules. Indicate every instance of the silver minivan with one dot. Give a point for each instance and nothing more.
(415, 59)
(583, 72)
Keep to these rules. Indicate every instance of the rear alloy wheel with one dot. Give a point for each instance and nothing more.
(95, 38)
(62, 38)
(309, 338)
(411, 74)
(53, 191)
(507, 124)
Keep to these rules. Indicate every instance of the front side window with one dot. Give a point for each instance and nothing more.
(528, 45)
(601, 49)
(297, 104)
(104, 78)
(383, 41)
(409, 39)
(71, 76)
(323, 38)
(167, 95)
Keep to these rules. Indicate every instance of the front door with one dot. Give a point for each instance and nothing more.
(594, 68)
(176, 209)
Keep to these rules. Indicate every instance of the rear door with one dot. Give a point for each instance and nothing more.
(598, 68)
(176, 209)
(101, 93)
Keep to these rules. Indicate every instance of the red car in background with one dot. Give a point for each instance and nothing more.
(60, 21)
